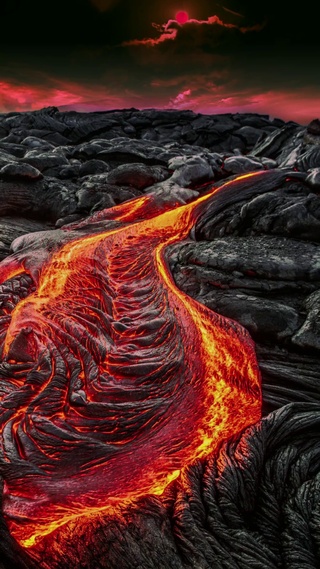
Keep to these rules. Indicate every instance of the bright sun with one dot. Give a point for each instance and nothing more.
(182, 17)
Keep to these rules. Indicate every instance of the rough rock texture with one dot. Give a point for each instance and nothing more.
(254, 503)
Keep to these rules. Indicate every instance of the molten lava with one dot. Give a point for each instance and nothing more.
(112, 379)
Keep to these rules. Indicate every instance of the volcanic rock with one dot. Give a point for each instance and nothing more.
(87, 150)
(20, 172)
(252, 256)
(236, 275)
(90, 167)
(313, 179)
(96, 192)
(14, 150)
(275, 143)
(294, 212)
(44, 161)
(38, 143)
(137, 175)
(308, 336)
(46, 199)
(189, 171)
(251, 135)
(314, 127)
(13, 227)
(241, 164)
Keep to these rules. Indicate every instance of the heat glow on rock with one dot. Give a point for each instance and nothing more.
(112, 380)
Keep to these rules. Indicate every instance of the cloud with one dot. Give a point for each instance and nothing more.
(215, 20)
(181, 101)
(167, 34)
(198, 93)
(300, 105)
(59, 93)
(171, 30)
(20, 97)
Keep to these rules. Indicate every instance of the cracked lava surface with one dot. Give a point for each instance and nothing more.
(111, 379)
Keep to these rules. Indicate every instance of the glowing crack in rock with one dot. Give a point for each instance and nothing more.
(112, 379)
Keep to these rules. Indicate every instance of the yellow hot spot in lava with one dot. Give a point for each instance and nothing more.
(158, 490)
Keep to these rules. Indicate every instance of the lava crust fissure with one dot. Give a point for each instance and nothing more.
(112, 379)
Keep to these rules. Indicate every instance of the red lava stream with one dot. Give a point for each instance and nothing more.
(123, 379)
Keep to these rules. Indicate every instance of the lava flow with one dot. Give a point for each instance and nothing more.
(112, 379)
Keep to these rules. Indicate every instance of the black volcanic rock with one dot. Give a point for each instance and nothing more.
(117, 156)
(13, 227)
(191, 170)
(72, 171)
(258, 281)
(20, 172)
(137, 175)
(314, 127)
(87, 150)
(313, 179)
(37, 143)
(98, 193)
(90, 167)
(216, 132)
(250, 135)
(309, 159)
(6, 158)
(45, 199)
(265, 319)
(44, 161)
(308, 335)
(291, 212)
(275, 144)
(241, 164)
(14, 150)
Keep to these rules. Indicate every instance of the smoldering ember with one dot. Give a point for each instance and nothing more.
(160, 340)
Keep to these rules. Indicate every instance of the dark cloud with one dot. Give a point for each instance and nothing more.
(251, 56)
(213, 28)
(232, 12)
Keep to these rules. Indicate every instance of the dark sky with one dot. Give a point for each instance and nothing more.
(101, 54)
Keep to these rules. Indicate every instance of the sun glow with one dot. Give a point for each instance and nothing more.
(182, 17)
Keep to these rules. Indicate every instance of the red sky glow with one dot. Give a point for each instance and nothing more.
(23, 97)
(236, 60)
(301, 105)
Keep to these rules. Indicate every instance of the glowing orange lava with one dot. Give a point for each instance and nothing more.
(124, 379)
